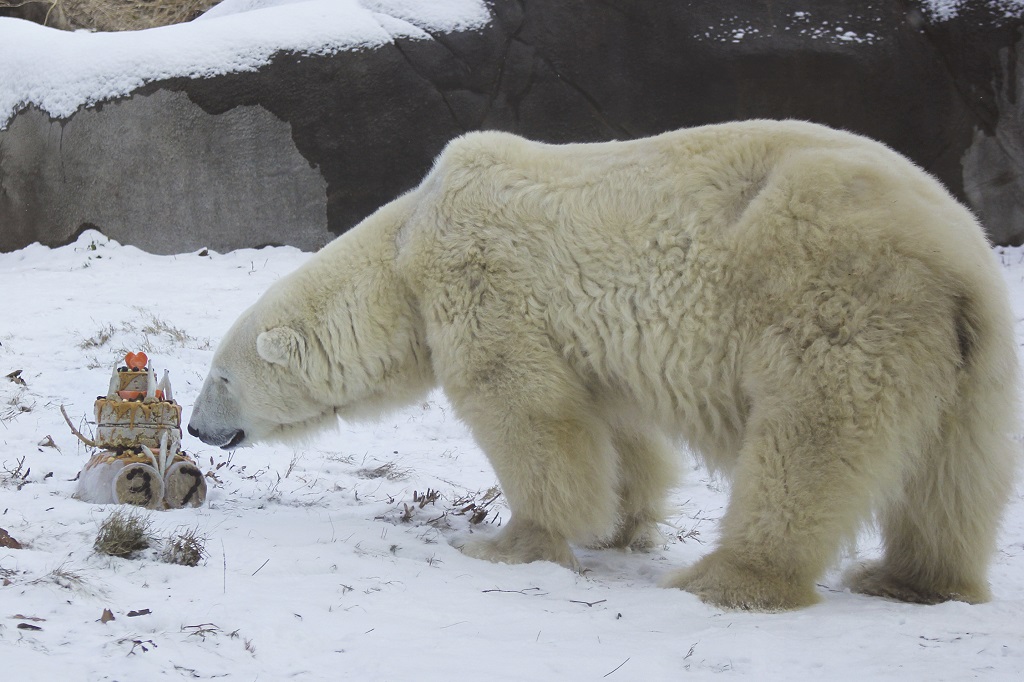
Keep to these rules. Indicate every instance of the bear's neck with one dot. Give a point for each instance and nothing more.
(369, 324)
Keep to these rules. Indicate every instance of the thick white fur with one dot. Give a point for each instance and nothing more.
(815, 316)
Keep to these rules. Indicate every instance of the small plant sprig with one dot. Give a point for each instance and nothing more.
(477, 507)
(429, 497)
(16, 475)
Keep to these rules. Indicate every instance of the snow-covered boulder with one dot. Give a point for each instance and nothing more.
(285, 122)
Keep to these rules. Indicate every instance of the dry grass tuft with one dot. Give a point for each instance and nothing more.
(149, 333)
(99, 339)
(123, 533)
(390, 471)
(108, 15)
(156, 326)
(62, 576)
(15, 405)
(65, 577)
(185, 547)
(478, 506)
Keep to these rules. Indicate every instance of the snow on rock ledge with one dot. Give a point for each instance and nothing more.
(59, 72)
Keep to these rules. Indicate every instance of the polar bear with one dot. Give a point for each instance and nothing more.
(813, 315)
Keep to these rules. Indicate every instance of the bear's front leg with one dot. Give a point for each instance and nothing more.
(552, 452)
(558, 475)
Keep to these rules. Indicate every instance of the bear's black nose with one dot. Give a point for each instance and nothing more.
(193, 432)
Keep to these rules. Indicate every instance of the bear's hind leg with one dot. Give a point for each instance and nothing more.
(800, 489)
(939, 535)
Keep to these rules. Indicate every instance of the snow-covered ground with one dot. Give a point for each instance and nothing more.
(321, 566)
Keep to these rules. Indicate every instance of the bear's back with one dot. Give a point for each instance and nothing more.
(654, 265)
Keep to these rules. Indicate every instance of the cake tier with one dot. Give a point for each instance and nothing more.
(132, 478)
(128, 423)
(132, 380)
(133, 384)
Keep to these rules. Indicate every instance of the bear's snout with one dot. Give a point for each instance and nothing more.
(225, 441)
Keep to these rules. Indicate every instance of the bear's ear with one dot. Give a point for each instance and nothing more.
(281, 346)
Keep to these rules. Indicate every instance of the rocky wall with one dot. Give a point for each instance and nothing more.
(303, 148)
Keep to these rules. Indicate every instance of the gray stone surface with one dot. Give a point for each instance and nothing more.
(158, 172)
(993, 163)
(300, 150)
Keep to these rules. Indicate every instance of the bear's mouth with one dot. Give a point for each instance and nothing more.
(235, 441)
(216, 439)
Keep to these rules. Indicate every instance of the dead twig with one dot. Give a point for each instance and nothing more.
(528, 591)
(587, 603)
(617, 667)
(88, 441)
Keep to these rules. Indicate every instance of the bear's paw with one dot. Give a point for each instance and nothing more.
(722, 580)
(522, 543)
(635, 533)
(876, 580)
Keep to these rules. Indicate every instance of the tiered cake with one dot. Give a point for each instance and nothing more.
(136, 410)
(138, 429)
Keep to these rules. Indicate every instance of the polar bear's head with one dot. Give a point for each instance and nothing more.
(257, 388)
